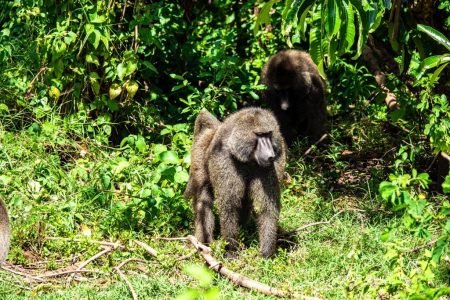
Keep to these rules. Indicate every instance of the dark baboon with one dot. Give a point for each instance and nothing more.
(296, 94)
(4, 231)
(240, 163)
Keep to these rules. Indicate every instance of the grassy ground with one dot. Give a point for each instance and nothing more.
(337, 182)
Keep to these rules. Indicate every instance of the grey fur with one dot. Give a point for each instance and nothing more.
(223, 166)
(4, 231)
(292, 75)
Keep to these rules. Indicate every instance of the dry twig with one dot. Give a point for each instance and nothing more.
(103, 252)
(186, 256)
(322, 138)
(147, 248)
(57, 274)
(124, 278)
(28, 276)
(318, 223)
(430, 243)
(130, 260)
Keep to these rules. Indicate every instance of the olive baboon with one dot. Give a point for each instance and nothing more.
(296, 94)
(199, 187)
(240, 163)
(4, 231)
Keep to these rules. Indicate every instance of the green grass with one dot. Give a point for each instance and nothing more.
(324, 260)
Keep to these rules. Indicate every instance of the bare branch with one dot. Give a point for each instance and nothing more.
(128, 283)
(238, 278)
(130, 260)
(322, 138)
(28, 276)
(147, 248)
(103, 252)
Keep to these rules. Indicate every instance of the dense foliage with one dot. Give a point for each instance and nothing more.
(97, 101)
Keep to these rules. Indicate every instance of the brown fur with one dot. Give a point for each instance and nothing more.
(199, 186)
(223, 165)
(293, 75)
(4, 232)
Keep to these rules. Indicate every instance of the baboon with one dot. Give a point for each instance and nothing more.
(199, 187)
(4, 232)
(296, 94)
(240, 163)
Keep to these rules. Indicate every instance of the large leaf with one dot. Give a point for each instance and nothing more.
(291, 11)
(365, 20)
(332, 19)
(435, 35)
(301, 26)
(315, 46)
(264, 17)
(433, 62)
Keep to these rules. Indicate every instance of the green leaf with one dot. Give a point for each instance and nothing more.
(440, 249)
(181, 176)
(432, 62)
(435, 35)
(122, 165)
(89, 28)
(315, 45)
(301, 26)
(387, 189)
(140, 144)
(92, 59)
(169, 157)
(366, 19)
(438, 71)
(446, 185)
(121, 70)
(331, 20)
(264, 15)
(291, 11)
(150, 66)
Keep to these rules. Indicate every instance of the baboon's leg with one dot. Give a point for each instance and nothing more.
(265, 194)
(204, 217)
(229, 197)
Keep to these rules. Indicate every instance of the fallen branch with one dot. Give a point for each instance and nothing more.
(311, 225)
(128, 283)
(28, 276)
(86, 262)
(124, 277)
(318, 223)
(322, 138)
(172, 239)
(147, 248)
(186, 256)
(103, 252)
(130, 260)
(57, 274)
(237, 278)
(430, 243)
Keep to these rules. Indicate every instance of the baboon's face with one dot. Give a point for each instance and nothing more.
(282, 91)
(264, 153)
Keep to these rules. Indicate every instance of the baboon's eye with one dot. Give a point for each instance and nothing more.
(263, 134)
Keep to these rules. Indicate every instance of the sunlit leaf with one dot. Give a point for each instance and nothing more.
(169, 157)
(435, 35)
(264, 16)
